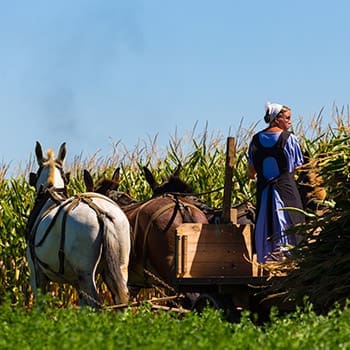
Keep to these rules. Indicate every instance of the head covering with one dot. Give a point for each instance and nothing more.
(272, 110)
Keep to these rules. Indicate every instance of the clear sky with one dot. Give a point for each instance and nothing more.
(95, 72)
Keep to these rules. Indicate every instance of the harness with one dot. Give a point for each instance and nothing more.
(63, 204)
(176, 204)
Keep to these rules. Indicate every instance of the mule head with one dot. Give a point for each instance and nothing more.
(109, 188)
(50, 172)
(174, 184)
(105, 186)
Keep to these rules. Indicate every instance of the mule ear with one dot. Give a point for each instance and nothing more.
(32, 179)
(89, 182)
(39, 153)
(177, 171)
(61, 154)
(150, 178)
(116, 176)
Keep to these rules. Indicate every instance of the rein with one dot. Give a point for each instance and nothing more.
(33, 223)
(39, 203)
(182, 194)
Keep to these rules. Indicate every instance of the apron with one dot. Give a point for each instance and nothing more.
(284, 184)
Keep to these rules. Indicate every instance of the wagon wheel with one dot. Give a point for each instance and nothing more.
(218, 302)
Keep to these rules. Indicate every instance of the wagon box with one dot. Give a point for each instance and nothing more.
(217, 263)
(214, 250)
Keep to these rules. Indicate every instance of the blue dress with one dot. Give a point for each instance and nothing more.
(276, 189)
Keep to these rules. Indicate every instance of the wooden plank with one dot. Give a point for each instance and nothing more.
(233, 215)
(206, 269)
(178, 254)
(210, 250)
(230, 162)
(216, 234)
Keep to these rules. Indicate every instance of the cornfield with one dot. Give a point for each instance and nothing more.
(202, 159)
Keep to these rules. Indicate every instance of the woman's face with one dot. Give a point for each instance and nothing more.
(284, 121)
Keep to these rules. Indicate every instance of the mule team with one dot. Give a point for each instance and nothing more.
(72, 239)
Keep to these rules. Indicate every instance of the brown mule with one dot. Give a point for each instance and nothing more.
(154, 224)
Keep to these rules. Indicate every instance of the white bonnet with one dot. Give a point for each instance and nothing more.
(272, 110)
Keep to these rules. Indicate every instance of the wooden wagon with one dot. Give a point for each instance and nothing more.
(216, 262)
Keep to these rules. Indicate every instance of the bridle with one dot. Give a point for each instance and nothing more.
(33, 180)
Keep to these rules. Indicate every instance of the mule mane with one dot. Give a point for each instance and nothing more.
(51, 164)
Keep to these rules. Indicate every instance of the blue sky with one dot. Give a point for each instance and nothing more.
(95, 72)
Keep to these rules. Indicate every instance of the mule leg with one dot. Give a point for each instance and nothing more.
(42, 282)
(133, 292)
(120, 292)
(124, 294)
(116, 250)
(38, 279)
(88, 295)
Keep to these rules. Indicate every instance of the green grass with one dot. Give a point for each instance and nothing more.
(44, 327)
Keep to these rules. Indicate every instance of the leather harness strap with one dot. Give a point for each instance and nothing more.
(155, 215)
(176, 203)
(69, 205)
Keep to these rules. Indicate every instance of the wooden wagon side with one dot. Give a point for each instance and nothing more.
(207, 250)
(217, 261)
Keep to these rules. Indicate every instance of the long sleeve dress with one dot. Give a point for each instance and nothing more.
(275, 155)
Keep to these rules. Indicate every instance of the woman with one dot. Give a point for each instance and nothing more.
(273, 154)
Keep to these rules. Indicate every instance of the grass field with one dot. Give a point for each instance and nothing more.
(44, 327)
